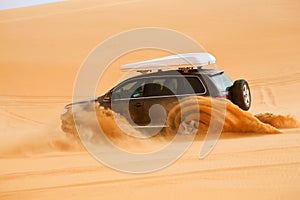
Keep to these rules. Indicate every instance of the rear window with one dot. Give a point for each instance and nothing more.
(191, 85)
(222, 81)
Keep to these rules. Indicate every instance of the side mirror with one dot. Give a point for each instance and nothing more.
(107, 96)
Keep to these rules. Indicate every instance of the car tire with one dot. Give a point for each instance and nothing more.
(240, 94)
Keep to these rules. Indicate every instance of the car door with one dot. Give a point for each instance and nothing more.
(159, 98)
(127, 100)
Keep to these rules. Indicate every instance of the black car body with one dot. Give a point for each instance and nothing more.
(133, 98)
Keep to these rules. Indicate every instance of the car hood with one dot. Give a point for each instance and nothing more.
(83, 102)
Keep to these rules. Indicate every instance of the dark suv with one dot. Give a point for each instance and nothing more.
(137, 98)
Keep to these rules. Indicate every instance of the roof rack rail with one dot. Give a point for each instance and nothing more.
(145, 71)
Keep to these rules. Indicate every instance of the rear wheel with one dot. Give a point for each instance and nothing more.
(240, 94)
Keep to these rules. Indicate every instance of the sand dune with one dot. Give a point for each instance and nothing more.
(42, 48)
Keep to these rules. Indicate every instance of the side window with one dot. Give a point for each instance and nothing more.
(138, 92)
(161, 87)
(191, 85)
(152, 89)
(171, 85)
(222, 81)
(130, 89)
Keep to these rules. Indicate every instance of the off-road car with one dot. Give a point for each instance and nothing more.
(164, 81)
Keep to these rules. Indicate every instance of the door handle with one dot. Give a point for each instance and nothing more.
(138, 104)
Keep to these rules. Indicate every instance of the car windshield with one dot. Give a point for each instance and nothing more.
(222, 81)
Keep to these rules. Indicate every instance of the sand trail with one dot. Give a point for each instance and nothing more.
(43, 140)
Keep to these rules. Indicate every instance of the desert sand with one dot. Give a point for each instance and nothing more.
(43, 47)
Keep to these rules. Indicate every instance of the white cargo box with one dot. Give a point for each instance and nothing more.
(179, 60)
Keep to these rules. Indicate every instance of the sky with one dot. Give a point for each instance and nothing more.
(9, 4)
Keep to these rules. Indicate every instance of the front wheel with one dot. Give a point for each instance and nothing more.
(240, 94)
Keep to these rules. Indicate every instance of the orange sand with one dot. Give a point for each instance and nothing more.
(42, 48)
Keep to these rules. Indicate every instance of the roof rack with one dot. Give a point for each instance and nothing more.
(179, 61)
(185, 69)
